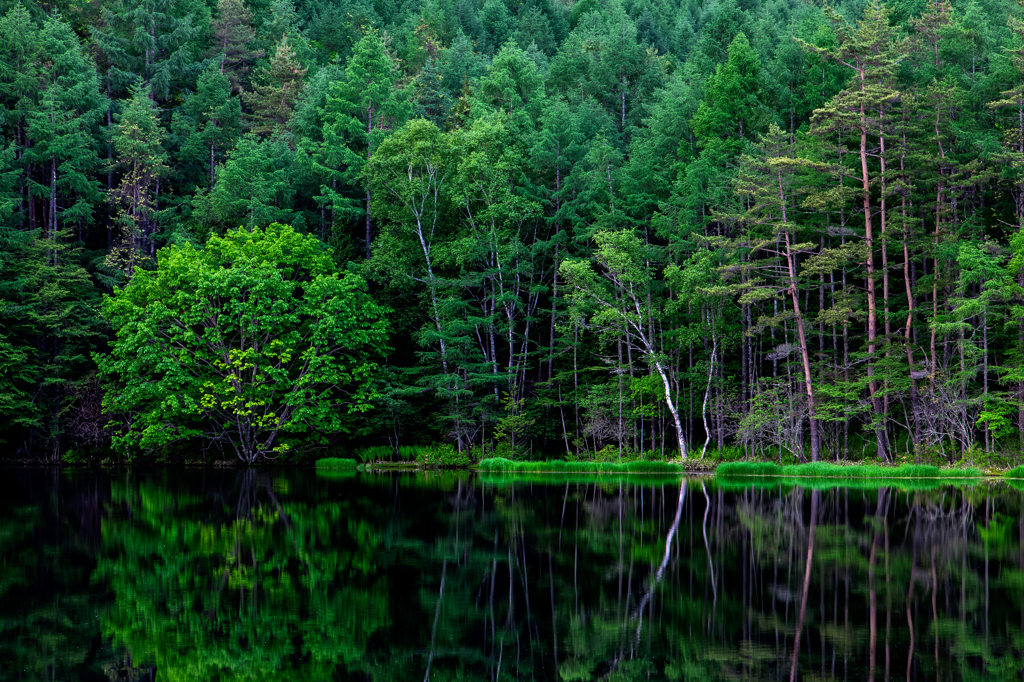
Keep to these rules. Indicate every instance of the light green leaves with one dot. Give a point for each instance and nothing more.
(250, 343)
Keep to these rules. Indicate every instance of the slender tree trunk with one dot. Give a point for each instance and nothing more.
(805, 355)
(876, 406)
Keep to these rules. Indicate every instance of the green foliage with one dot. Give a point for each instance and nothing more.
(729, 470)
(616, 227)
(253, 342)
(1016, 472)
(498, 464)
(442, 457)
(336, 463)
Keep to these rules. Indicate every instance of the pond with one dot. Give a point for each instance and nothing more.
(260, 575)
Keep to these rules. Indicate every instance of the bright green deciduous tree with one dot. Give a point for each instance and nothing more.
(254, 343)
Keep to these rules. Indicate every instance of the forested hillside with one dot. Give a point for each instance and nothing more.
(601, 228)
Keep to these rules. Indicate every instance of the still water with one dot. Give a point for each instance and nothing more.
(266, 575)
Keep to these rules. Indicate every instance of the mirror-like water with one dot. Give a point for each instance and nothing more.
(225, 575)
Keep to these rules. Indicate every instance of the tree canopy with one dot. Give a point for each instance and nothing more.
(253, 343)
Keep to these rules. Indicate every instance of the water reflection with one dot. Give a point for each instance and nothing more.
(273, 575)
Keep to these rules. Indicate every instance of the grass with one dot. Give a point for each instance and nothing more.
(500, 464)
(385, 454)
(375, 453)
(499, 479)
(336, 463)
(732, 470)
(735, 469)
(1015, 472)
(906, 485)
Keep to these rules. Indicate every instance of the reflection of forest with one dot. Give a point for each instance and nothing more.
(260, 575)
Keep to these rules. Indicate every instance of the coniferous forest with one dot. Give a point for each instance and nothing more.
(594, 229)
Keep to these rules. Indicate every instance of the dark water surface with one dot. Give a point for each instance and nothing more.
(233, 575)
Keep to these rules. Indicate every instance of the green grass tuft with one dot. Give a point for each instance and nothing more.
(730, 470)
(1015, 472)
(336, 463)
(736, 469)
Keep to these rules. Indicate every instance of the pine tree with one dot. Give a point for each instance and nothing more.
(871, 51)
(140, 156)
(233, 36)
(275, 91)
(774, 249)
(159, 41)
(361, 109)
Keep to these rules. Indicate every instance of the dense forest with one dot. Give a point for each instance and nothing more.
(637, 228)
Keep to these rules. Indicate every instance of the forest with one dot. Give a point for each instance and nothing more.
(633, 229)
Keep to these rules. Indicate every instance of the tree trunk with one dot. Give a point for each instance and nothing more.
(876, 406)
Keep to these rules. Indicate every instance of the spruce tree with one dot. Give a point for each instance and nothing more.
(233, 37)
(275, 90)
(142, 161)
(159, 41)
(361, 108)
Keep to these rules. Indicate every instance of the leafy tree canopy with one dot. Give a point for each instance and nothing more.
(254, 343)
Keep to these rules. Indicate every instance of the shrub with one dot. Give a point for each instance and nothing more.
(442, 457)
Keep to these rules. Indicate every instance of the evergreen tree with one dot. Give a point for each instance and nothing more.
(142, 161)
(159, 41)
(233, 37)
(253, 187)
(361, 108)
(275, 90)
(207, 125)
(871, 51)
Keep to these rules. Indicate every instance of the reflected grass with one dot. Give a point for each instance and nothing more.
(831, 470)
(821, 483)
(335, 474)
(559, 466)
(499, 479)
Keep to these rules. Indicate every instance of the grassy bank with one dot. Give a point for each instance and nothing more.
(502, 465)
(500, 478)
(336, 463)
(1015, 472)
(906, 485)
(734, 470)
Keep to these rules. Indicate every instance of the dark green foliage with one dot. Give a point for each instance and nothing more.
(157, 41)
(790, 231)
(442, 457)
